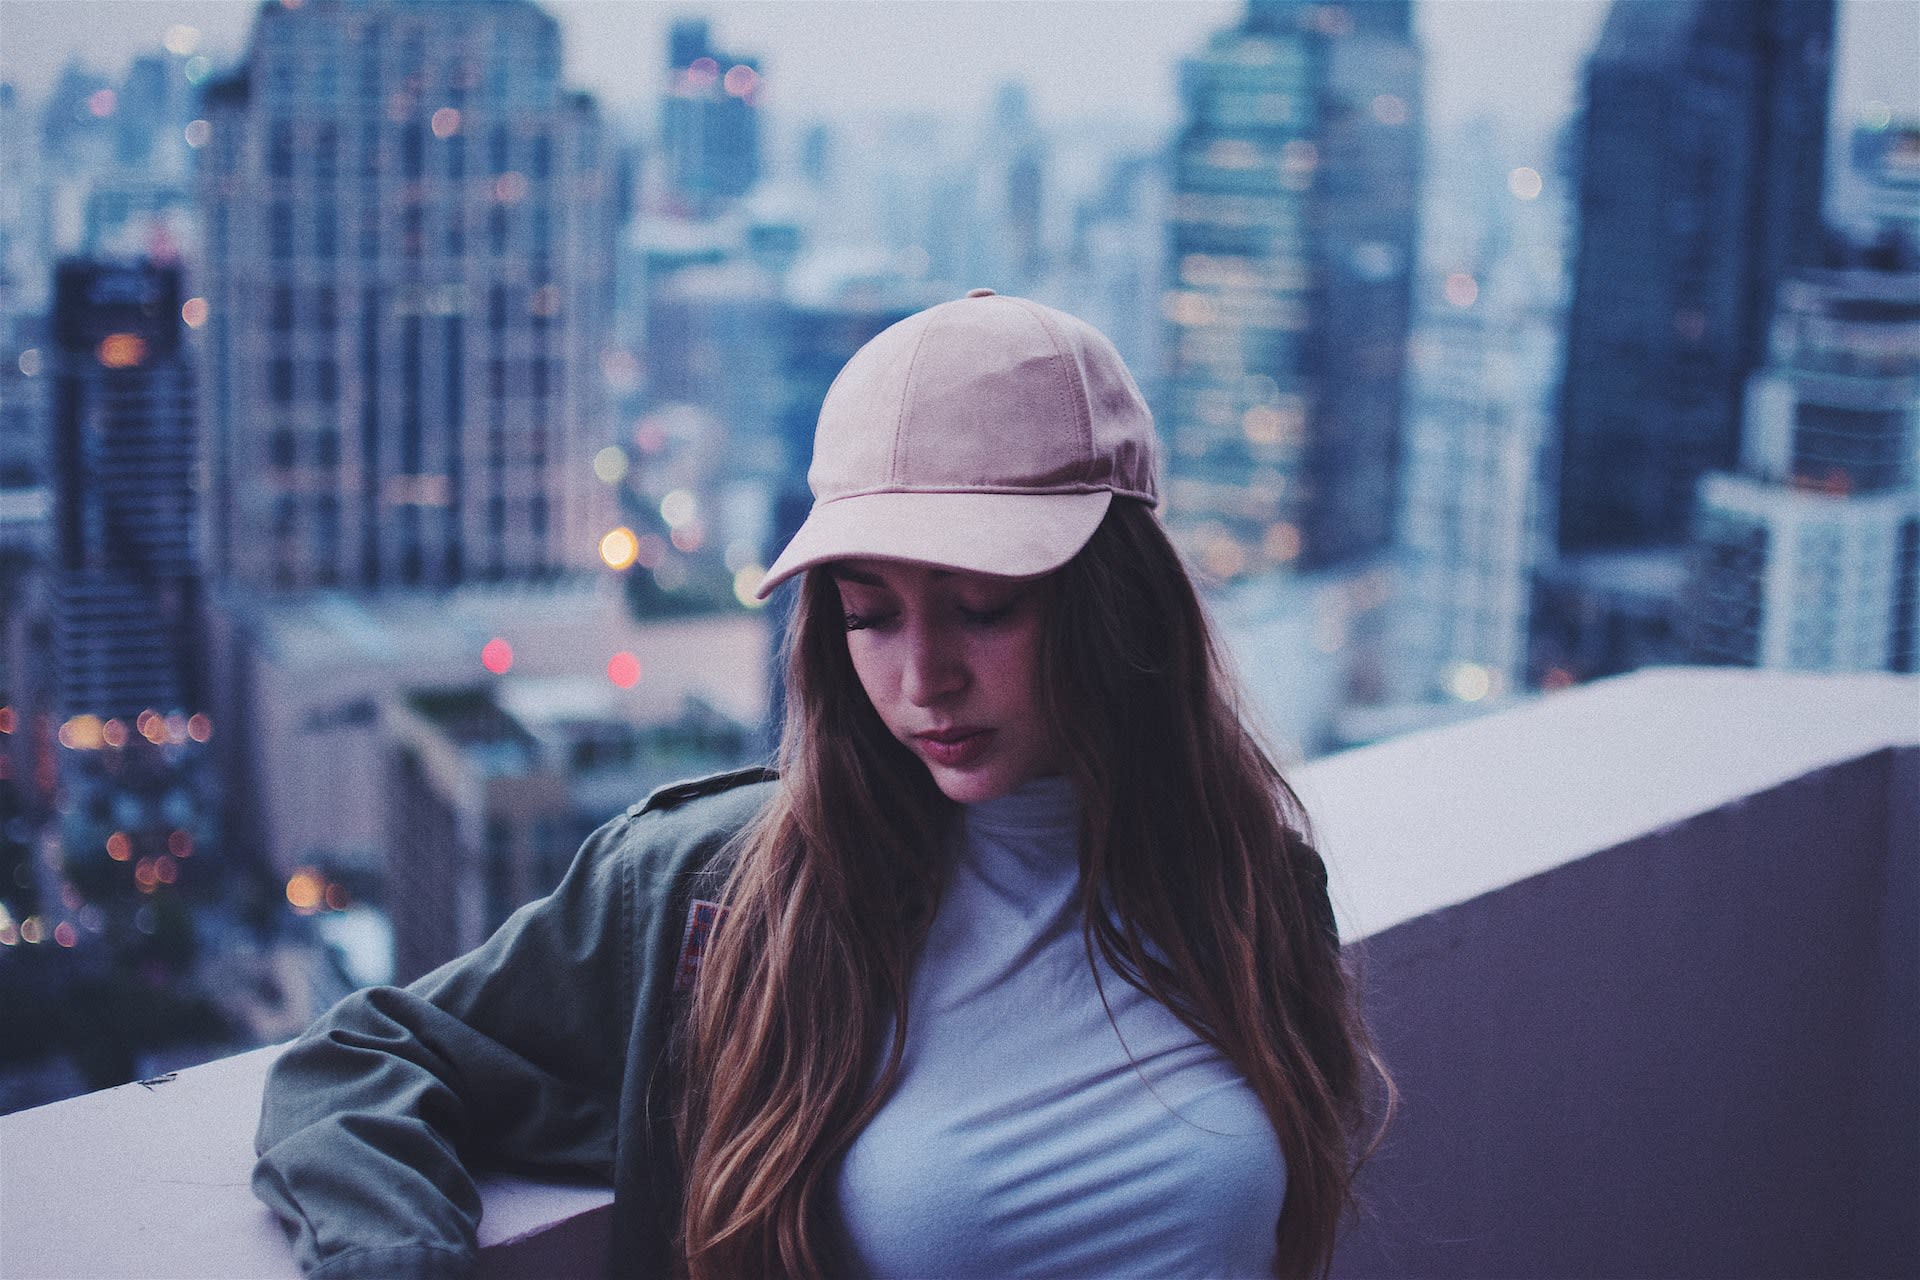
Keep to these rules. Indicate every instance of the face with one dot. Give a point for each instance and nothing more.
(951, 662)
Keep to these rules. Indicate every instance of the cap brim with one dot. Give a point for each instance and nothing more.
(1011, 535)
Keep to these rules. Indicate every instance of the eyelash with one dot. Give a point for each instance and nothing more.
(972, 617)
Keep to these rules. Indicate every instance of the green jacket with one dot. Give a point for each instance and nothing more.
(545, 1048)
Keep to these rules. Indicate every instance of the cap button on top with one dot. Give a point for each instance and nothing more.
(979, 293)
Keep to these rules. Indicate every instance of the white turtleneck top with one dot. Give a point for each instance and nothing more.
(1021, 1140)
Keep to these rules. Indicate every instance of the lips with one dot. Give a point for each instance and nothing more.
(953, 748)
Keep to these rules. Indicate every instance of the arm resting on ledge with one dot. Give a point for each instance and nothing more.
(513, 1054)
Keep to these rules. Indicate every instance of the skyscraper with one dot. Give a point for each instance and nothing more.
(124, 586)
(1810, 557)
(1702, 156)
(408, 221)
(1291, 234)
(710, 121)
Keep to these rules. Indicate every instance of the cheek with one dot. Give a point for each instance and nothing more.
(869, 664)
(1016, 662)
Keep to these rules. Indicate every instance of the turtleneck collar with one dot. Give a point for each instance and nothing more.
(1041, 809)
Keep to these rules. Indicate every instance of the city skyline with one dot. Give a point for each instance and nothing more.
(839, 59)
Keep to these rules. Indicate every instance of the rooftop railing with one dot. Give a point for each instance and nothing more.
(1641, 956)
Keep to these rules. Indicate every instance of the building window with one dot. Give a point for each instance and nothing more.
(280, 150)
(280, 224)
(280, 309)
(370, 146)
(280, 379)
(325, 230)
(413, 151)
(326, 145)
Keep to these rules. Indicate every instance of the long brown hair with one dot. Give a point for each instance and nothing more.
(1198, 887)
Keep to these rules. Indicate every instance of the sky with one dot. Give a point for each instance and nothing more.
(1081, 59)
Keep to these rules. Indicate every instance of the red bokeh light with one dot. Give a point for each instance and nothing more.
(497, 656)
(624, 669)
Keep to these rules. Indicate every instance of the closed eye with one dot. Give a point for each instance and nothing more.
(988, 617)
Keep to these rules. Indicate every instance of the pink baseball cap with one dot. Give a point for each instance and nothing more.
(988, 434)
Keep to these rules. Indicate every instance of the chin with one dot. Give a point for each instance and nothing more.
(968, 787)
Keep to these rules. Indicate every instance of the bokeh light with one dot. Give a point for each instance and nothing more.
(678, 507)
(194, 312)
(746, 580)
(181, 39)
(122, 350)
(497, 656)
(1462, 290)
(610, 464)
(1390, 109)
(198, 133)
(1524, 183)
(619, 548)
(445, 122)
(624, 669)
(306, 890)
(1469, 681)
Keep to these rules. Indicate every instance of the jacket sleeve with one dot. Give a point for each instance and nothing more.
(511, 1054)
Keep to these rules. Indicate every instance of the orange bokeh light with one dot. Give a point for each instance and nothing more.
(122, 350)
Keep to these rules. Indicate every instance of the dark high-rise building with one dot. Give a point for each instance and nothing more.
(1291, 234)
(710, 121)
(408, 225)
(124, 580)
(1702, 153)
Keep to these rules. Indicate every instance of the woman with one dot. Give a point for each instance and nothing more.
(1021, 966)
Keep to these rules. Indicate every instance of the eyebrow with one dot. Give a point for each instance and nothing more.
(841, 573)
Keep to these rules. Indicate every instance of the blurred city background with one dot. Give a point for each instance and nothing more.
(399, 400)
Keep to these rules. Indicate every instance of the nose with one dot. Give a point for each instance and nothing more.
(934, 668)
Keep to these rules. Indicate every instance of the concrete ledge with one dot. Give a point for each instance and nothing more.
(149, 1182)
